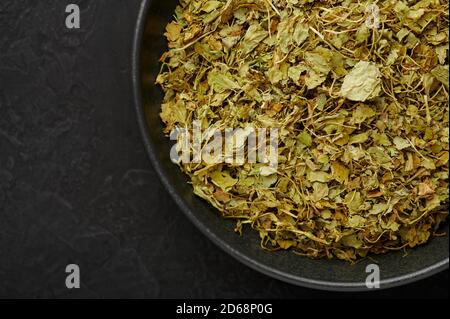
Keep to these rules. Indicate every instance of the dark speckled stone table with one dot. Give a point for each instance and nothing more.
(75, 182)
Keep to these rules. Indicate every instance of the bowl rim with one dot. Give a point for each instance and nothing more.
(258, 266)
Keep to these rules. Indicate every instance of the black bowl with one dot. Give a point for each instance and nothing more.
(395, 268)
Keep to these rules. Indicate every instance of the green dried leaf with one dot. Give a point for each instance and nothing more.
(254, 35)
(221, 82)
(305, 138)
(320, 191)
(401, 143)
(340, 172)
(378, 208)
(359, 138)
(353, 200)
(223, 179)
(301, 33)
(356, 221)
(362, 113)
(318, 176)
(441, 74)
(362, 83)
(351, 241)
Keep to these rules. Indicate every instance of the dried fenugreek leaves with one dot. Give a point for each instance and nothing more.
(361, 104)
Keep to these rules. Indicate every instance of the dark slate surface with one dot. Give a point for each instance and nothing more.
(75, 182)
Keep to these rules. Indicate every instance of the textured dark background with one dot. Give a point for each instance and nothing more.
(75, 182)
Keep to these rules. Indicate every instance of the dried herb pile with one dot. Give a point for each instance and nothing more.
(362, 112)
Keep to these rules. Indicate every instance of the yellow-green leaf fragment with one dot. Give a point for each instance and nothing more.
(223, 179)
(401, 143)
(362, 83)
(340, 172)
(318, 176)
(305, 138)
(441, 74)
(359, 138)
(221, 81)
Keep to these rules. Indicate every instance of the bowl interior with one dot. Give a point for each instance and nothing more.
(395, 268)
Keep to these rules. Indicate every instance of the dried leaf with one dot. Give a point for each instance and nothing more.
(362, 83)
